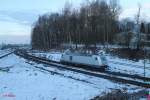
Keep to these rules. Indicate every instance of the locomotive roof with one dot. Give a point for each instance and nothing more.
(77, 53)
(80, 54)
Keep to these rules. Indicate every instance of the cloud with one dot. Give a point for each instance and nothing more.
(22, 17)
(18, 24)
(14, 39)
(131, 12)
(14, 33)
(13, 28)
(146, 6)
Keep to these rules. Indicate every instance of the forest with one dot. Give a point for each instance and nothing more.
(95, 22)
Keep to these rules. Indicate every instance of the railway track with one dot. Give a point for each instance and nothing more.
(6, 55)
(136, 66)
(44, 70)
(113, 76)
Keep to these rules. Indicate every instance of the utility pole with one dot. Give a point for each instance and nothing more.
(138, 15)
(138, 26)
(144, 62)
(107, 28)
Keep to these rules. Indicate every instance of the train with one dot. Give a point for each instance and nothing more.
(93, 61)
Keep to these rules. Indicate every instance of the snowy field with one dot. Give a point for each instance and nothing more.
(128, 66)
(22, 80)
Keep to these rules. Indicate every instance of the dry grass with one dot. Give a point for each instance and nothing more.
(121, 95)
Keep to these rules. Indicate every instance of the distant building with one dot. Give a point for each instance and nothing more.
(147, 28)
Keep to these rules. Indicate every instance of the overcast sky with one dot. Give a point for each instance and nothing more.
(17, 16)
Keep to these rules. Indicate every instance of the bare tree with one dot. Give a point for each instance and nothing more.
(94, 22)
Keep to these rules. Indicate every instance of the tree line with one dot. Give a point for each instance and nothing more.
(94, 22)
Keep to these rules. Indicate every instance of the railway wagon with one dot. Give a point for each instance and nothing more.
(92, 61)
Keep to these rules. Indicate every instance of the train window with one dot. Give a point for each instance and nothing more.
(71, 58)
(96, 58)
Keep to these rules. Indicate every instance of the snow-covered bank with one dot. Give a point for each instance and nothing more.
(128, 66)
(24, 82)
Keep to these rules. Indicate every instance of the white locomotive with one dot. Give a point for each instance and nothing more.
(94, 61)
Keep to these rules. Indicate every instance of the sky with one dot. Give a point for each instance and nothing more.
(17, 16)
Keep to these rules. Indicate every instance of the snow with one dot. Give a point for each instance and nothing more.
(54, 56)
(128, 66)
(30, 84)
(25, 82)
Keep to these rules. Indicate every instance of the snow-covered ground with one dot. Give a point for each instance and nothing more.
(24, 81)
(128, 66)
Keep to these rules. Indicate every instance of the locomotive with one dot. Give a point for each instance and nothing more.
(95, 61)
